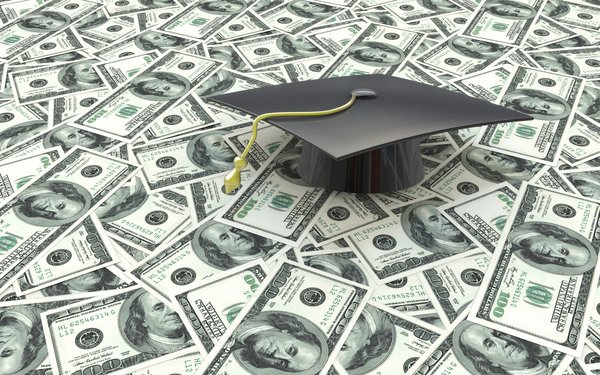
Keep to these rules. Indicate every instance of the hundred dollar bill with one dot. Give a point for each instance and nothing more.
(581, 62)
(207, 312)
(277, 203)
(502, 21)
(15, 174)
(582, 141)
(405, 294)
(62, 42)
(62, 109)
(143, 42)
(116, 72)
(29, 352)
(403, 340)
(189, 158)
(486, 84)
(128, 110)
(143, 220)
(484, 227)
(415, 72)
(40, 23)
(593, 332)
(52, 204)
(81, 252)
(247, 24)
(587, 103)
(376, 49)
(551, 178)
(544, 266)
(99, 27)
(296, 16)
(306, 69)
(45, 83)
(276, 49)
(190, 114)
(573, 13)
(547, 31)
(321, 311)
(577, 368)
(408, 194)
(204, 18)
(590, 358)
(228, 55)
(18, 123)
(333, 38)
(204, 250)
(119, 8)
(271, 138)
(447, 24)
(184, 364)
(11, 10)
(459, 55)
(586, 182)
(110, 325)
(346, 212)
(549, 98)
(453, 286)
(475, 169)
(467, 348)
(227, 81)
(418, 237)
(416, 10)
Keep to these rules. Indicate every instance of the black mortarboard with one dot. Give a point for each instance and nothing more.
(373, 146)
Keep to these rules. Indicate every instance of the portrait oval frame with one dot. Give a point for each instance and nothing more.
(363, 45)
(44, 222)
(555, 268)
(37, 30)
(192, 146)
(502, 2)
(273, 371)
(525, 93)
(154, 75)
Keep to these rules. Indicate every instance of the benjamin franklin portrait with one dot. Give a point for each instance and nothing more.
(160, 86)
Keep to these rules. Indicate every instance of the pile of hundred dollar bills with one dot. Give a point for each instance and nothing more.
(120, 253)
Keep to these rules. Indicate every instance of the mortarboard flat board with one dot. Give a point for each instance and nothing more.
(374, 145)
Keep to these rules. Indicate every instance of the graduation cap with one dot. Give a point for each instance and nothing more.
(369, 141)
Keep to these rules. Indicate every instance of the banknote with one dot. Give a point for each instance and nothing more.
(547, 31)
(475, 169)
(23, 318)
(581, 62)
(289, 204)
(552, 178)
(18, 123)
(52, 204)
(408, 194)
(247, 24)
(321, 311)
(15, 174)
(587, 103)
(63, 42)
(276, 49)
(270, 139)
(99, 27)
(189, 115)
(226, 81)
(115, 326)
(306, 69)
(584, 38)
(549, 98)
(484, 227)
(119, 8)
(207, 249)
(297, 16)
(582, 141)
(448, 24)
(577, 368)
(333, 38)
(346, 212)
(143, 42)
(544, 266)
(207, 312)
(486, 84)
(84, 250)
(183, 364)
(415, 72)
(116, 72)
(129, 109)
(228, 55)
(405, 294)
(147, 20)
(403, 341)
(459, 55)
(418, 237)
(40, 23)
(503, 21)
(143, 220)
(208, 195)
(184, 159)
(593, 332)
(376, 49)
(416, 10)
(453, 286)
(202, 19)
(585, 181)
(573, 13)
(464, 349)
(11, 10)
(45, 83)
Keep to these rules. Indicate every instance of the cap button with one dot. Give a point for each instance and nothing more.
(364, 93)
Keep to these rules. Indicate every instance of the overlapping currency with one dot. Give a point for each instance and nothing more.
(174, 275)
